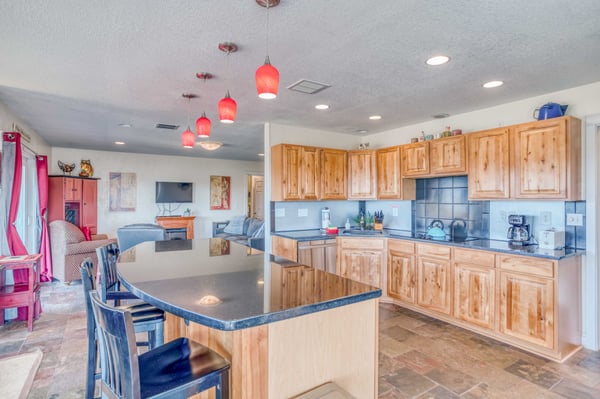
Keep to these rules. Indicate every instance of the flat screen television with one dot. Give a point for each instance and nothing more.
(169, 192)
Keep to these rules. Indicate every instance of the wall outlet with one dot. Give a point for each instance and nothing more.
(574, 219)
(279, 212)
(394, 211)
(546, 218)
(302, 212)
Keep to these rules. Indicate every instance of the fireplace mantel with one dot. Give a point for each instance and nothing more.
(178, 222)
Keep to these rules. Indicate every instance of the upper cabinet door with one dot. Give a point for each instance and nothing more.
(389, 182)
(362, 174)
(310, 173)
(415, 159)
(489, 175)
(547, 160)
(334, 178)
(447, 156)
(291, 172)
(72, 189)
(294, 173)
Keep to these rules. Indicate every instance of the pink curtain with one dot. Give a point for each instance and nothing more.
(42, 178)
(15, 244)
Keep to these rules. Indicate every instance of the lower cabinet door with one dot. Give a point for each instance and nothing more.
(401, 276)
(474, 294)
(363, 266)
(434, 284)
(526, 308)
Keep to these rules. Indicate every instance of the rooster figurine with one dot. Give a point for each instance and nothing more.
(66, 168)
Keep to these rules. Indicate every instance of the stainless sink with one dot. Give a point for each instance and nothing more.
(362, 233)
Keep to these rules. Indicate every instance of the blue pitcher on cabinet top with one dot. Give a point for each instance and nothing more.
(550, 110)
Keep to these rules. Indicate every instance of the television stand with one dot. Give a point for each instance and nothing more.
(178, 222)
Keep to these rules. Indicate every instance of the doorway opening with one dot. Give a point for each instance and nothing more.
(256, 197)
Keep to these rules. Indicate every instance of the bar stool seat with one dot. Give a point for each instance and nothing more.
(178, 369)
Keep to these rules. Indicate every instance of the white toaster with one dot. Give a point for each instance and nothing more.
(551, 239)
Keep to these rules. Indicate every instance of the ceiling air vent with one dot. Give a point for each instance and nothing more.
(308, 86)
(167, 126)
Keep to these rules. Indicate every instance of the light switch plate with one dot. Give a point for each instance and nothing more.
(302, 212)
(574, 219)
(394, 211)
(279, 212)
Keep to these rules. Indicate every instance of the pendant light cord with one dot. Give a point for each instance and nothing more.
(267, 40)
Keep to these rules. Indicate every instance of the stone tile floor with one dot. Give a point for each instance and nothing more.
(419, 357)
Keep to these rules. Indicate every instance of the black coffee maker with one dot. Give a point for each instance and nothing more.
(518, 233)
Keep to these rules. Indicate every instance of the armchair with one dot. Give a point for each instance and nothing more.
(69, 248)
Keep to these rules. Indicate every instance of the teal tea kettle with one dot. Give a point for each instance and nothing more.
(550, 110)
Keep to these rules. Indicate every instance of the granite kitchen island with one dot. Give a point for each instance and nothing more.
(285, 327)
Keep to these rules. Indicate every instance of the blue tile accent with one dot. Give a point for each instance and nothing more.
(446, 198)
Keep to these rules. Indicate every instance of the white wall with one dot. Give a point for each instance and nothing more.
(152, 168)
(582, 101)
(318, 138)
(37, 144)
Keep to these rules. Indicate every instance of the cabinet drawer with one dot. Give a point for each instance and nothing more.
(522, 264)
(364, 243)
(439, 251)
(482, 258)
(401, 246)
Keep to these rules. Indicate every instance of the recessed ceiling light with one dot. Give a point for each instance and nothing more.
(440, 116)
(438, 60)
(322, 106)
(375, 117)
(124, 125)
(362, 131)
(493, 83)
(260, 154)
(119, 142)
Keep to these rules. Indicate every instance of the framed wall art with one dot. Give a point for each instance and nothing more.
(122, 192)
(220, 191)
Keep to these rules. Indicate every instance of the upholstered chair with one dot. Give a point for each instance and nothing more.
(70, 248)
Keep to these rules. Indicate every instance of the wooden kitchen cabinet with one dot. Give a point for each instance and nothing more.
(361, 259)
(362, 174)
(74, 199)
(334, 177)
(414, 159)
(547, 159)
(489, 167)
(527, 300)
(474, 287)
(295, 173)
(402, 272)
(434, 280)
(448, 156)
(540, 306)
(390, 184)
(320, 254)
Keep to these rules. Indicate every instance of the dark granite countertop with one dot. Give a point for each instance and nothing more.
(180, 276)
(471, 242)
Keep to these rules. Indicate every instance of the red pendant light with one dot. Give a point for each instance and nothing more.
(227, 109)
(188, 138)
(227, 105)
(267, 80)
(203, 126)
(267, 76)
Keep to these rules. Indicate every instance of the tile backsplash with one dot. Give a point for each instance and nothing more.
(446, 199)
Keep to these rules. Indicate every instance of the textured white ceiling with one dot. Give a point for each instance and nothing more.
(75, 70)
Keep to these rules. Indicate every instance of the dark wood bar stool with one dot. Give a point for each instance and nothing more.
(178, 369)
(145, 317)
